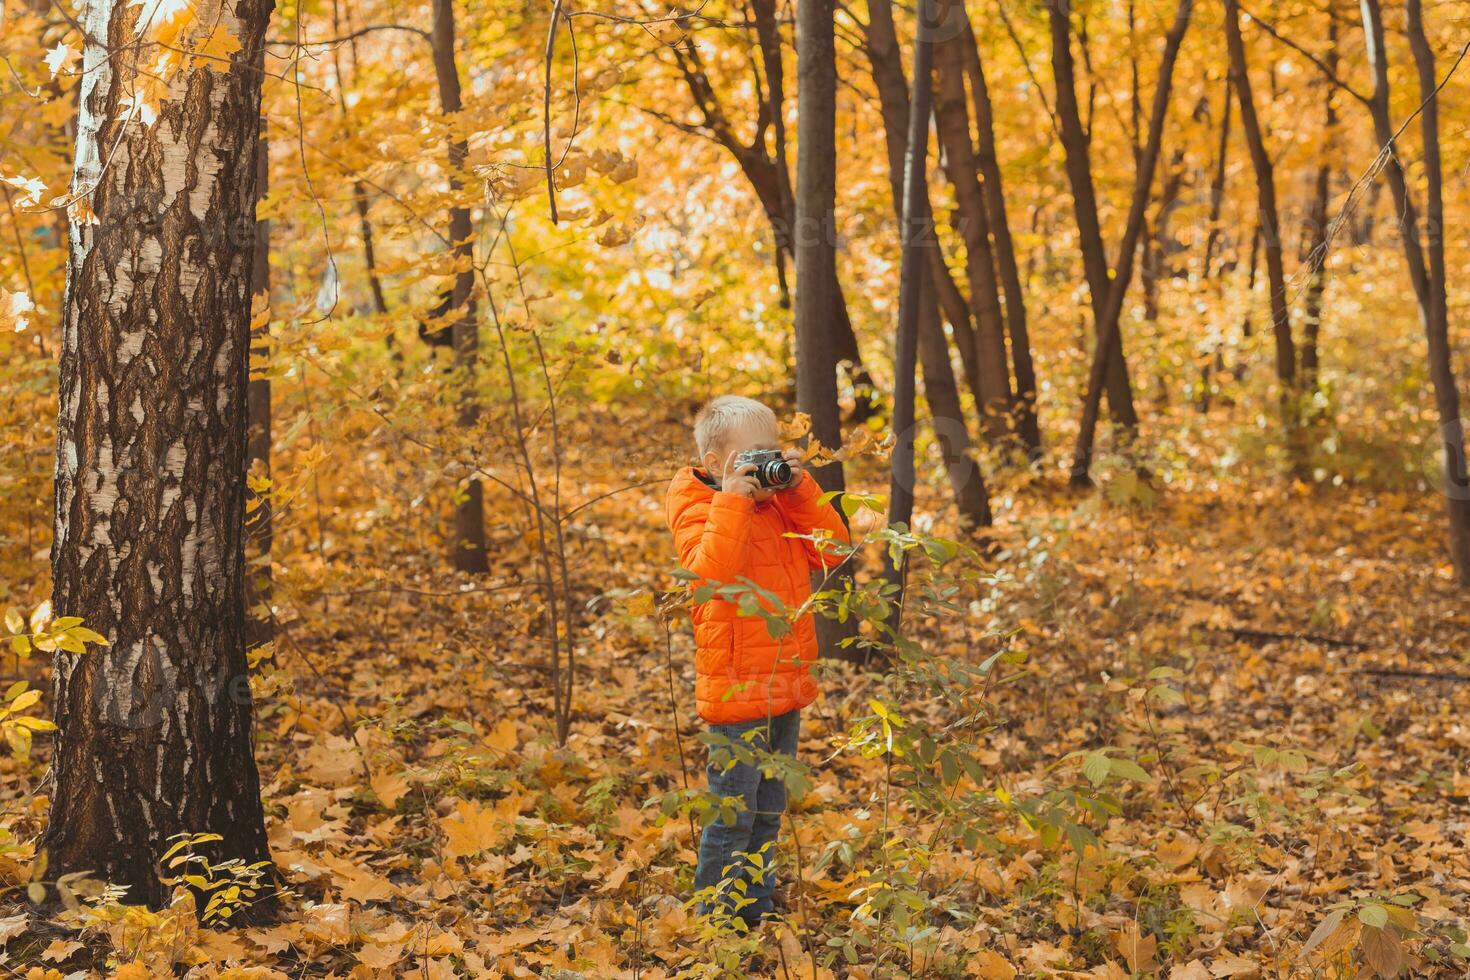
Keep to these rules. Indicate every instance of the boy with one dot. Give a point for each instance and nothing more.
(727, 527)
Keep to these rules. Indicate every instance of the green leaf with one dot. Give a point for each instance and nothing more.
(1128, 769)
(949, 769)
(1373, 916)
(1166, 693)
(1096, 767)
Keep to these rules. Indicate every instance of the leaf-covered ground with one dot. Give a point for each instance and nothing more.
(1302, 809)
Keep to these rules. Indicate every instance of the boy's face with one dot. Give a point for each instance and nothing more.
(756, 435)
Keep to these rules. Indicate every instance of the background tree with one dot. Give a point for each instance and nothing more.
(941, 391)
(1109, 346)
(1075, 142)
(468, 547)
(1424, 252)
(1269, 220)
(911, 281)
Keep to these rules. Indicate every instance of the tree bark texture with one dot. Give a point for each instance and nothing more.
(155, 730)
(817, 297)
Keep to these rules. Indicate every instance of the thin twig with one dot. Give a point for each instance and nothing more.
(546, 109)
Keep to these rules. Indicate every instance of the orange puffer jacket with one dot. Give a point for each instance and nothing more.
(741, 672)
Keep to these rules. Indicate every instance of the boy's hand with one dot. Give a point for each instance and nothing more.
(739, 480)
(793, 458)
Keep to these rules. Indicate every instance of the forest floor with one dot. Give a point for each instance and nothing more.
(1308, 773)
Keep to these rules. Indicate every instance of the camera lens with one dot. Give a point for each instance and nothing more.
(778, 473)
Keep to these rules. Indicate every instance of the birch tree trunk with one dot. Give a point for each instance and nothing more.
(468, 548)
(155, 730)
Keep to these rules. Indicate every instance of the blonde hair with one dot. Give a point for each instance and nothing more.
(725, 413)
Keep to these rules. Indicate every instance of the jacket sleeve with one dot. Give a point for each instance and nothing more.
(805, 508)
(712, 536)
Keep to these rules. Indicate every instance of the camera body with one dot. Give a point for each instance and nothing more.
(772, 471)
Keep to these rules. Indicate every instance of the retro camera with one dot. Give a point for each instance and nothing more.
(771, 469)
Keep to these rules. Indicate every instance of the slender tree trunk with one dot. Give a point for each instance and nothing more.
(1317, 239)
(259, 528)
(940, 389)
(768, 34)
(1084, 199)
(1214, 361)
(155, 730)
(1107, 341)
(1426, 262)
(1217, 181)
(1005, 248)
(1270, 221)
(1155, 237)
(916, 239)
(468, 548)
(952, 120)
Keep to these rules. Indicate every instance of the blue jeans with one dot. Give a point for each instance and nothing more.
(723, 848)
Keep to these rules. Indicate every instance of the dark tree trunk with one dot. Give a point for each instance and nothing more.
(1155, 266)
(259, 528)
(1270, 222)
(155, 730)
(1084, 200)
(952, 120)
(468, 548)
(1108, 344)
(816, 262)
(940, 389)
(1426, 262)
(1005, 248)
(916, 238)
